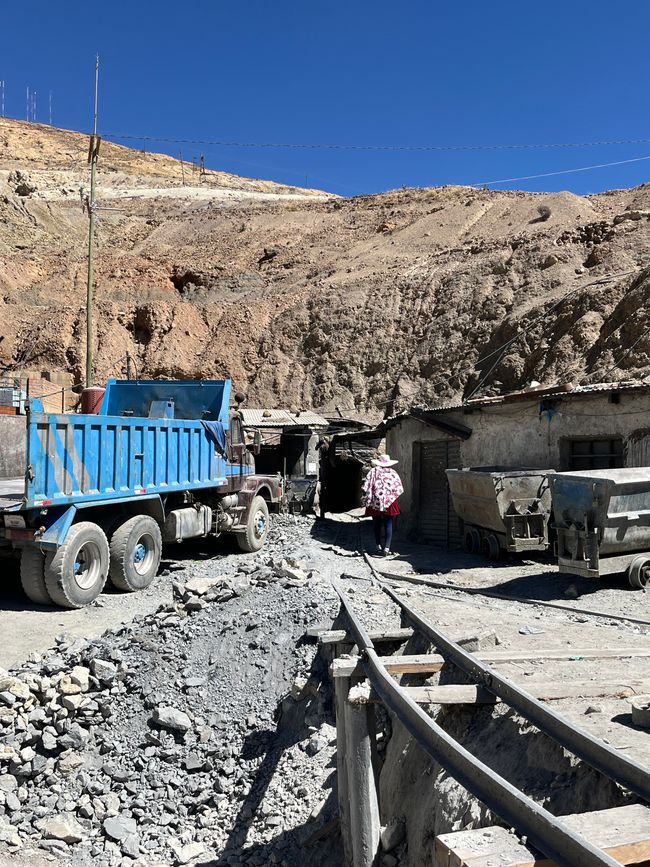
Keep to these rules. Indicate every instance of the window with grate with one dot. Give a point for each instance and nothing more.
(595, 454)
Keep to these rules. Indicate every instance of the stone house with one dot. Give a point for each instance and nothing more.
(563, 428)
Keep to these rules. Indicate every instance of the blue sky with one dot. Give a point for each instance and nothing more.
(355, 72)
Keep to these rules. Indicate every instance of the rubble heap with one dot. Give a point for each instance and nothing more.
(198, 732)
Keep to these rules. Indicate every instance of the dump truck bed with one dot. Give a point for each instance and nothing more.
(77, 459)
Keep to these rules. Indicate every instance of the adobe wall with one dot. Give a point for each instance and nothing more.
(518, 434)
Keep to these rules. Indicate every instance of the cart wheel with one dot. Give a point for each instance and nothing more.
(490, 546)
(472, 540)
(257, 526)
(76, 572)
(32, 576)
(638, 573)
(135, 552)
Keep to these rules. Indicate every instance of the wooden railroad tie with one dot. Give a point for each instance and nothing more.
(453, 693)
(430, 663)
(623, 832)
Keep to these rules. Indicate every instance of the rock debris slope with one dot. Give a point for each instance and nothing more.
(309, 299)
(201, 734)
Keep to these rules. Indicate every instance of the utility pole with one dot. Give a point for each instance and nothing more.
(93, 153)
(2, 94)
(182, 166)
(27, 104)
(50, 108)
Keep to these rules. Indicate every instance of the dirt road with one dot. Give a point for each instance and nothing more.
(203, 728)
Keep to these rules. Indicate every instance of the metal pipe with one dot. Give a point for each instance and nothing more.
(599, 755)
(543, 830)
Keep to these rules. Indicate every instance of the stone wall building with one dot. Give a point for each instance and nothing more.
(587, 427)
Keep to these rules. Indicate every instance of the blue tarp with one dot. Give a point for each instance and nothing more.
(216, 434)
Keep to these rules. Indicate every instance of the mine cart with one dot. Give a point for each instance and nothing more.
(603, 522)
(85, 497)
(502, 508)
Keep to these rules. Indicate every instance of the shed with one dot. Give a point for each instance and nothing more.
(560, 427)
(289, 447)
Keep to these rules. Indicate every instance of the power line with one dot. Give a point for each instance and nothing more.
(371, 147)
(562, 172)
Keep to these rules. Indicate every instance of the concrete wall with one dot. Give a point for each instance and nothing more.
(519, 435)
(13, 440)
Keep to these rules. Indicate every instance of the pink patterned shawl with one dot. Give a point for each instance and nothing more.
(381, 488)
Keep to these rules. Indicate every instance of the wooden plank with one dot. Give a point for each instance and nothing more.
(432, 662)
(341, 690)
(623, 832)
(365, 825)
(453, 693)
(340, 636)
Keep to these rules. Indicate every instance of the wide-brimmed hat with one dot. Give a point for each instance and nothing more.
(383, 461)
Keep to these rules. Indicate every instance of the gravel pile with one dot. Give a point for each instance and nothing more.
(201, 734)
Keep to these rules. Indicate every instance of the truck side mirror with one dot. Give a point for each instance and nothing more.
(257, 442)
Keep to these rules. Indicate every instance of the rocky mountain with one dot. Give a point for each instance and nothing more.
(307, 299)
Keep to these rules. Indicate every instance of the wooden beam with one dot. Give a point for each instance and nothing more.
(453, 693)
(623, 832)
(365, 825)
(431, 662)
(340, 636)
(341, 690)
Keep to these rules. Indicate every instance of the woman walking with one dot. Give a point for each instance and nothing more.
(381, 489)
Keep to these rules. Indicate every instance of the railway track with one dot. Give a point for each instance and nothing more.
(360, 823)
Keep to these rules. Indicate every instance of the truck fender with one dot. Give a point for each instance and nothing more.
(57, 523)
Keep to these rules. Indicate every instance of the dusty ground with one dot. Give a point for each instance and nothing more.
(307, 299)
(263, 782)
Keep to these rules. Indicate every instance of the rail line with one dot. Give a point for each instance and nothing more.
(546, 832)
(508, 597)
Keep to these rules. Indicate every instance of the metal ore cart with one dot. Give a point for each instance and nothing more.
(502, 508)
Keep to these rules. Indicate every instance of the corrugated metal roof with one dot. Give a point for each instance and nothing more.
(532, 394)
(279, 418)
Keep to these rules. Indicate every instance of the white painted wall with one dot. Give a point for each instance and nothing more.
(519, 435)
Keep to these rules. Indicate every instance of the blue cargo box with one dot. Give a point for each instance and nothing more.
(150, 438)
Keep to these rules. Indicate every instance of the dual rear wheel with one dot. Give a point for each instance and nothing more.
(75, 574)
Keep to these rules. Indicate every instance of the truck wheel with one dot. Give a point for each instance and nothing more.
(638, 573)
(135, 552)
(257, 527)
(76, 573)
(32, 576)
(472, 540)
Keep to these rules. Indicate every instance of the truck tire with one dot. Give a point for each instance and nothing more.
(32, 576)
(638, 573)
(75, 574)
(472, 540)
(257, 526)
(135, 552)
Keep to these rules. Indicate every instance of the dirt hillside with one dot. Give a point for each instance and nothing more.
(308, 299)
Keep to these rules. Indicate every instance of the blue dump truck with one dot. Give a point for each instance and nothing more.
(85, 498)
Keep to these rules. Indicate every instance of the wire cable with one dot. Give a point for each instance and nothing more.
(372, 147)
(561, 172)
